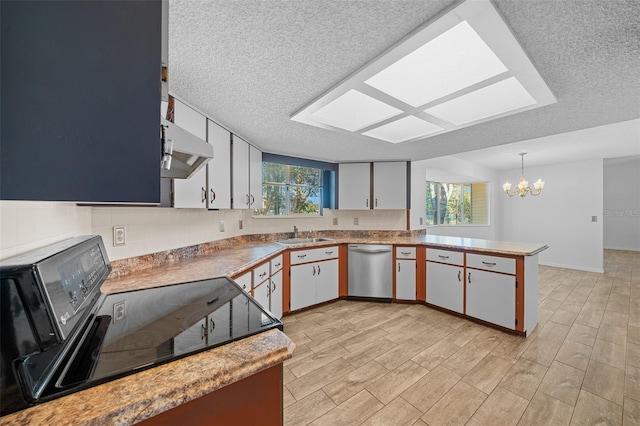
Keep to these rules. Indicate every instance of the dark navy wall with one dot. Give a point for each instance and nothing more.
(80, 105)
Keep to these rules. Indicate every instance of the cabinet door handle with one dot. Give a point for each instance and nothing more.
(367, 203)
(204, 195)
(469, 277)
(277, 265)
(213, 195)
(203, 331)
(318, 269)
(459, 272)
(489, 263)
(212, 325)
(302, 256)
(328, 253)
(376, 202)
(274, 287)
(262, 275)
(252, 200)
(443, 257)
(398, 266)
(405, 253)
(246, 199)
(314, 271)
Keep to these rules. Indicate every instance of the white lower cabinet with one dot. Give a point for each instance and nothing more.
(406, 279)
(445, 286)
(313, 283)
(303, 286)
(261, 294)
(405, 273)
(491, 297)
(327, 280)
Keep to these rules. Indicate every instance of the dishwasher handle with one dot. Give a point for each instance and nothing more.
(357, 249)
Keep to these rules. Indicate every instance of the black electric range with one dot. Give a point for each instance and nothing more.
(60, 334)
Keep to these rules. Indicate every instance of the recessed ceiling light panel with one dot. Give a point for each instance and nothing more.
(404, 129)
(354, 110)
(454, 60)
(461, 69)
(498, 98)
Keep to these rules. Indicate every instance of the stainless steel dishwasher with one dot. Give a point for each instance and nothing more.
(370, 273)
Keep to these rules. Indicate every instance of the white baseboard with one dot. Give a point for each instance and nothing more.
(578, 268)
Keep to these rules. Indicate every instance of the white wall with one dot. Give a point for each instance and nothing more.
(27, 225)
(560, 217)
(622, 203)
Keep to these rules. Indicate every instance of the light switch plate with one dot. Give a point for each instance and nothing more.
(356, 221)
(221, 226)
(119, 236)
(335, 220)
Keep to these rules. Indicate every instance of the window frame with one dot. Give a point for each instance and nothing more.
(326, 185)
(462, 185)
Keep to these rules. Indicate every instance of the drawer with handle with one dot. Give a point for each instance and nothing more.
(506, 265)
(314, 255)
(260, 274)
(276, 264)
(445, 256)
(405, 252)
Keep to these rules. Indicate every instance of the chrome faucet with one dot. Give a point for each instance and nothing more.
(295, 231)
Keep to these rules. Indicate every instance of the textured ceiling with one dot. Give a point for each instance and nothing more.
(250, 64)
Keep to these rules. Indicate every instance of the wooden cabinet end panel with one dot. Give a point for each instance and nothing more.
(254, 400)
(286, 282)
(343, 268)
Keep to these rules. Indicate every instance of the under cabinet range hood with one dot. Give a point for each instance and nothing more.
(183, 153)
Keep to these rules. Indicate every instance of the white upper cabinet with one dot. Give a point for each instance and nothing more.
(354, 186)
(192, 192)
(247, 175)
(390, 185)
(219, 167)
(240, 173)
(255, 177)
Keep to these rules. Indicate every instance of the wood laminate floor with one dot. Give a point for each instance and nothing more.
(364, 363)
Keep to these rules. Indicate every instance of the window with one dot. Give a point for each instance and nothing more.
(456, 203)
(290, 190)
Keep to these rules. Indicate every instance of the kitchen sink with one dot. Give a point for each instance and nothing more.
(292, 241)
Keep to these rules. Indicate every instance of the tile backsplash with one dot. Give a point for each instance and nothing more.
(29, 225)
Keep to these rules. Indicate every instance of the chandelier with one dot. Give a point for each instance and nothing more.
(523, 186)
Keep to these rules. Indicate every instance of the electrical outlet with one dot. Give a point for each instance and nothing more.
(119, 311)
(240, 224)
(119, 236)
(221, 226)
(421, 221)
(335, 221)
(356, 221)
(594, 218)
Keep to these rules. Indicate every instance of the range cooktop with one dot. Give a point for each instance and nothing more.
(60, 334)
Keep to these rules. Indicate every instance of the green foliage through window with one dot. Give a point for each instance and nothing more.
(456, 203)
(290, 190)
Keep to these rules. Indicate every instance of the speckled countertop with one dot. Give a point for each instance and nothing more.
(140, 396)
(131, 399)
(234, 259)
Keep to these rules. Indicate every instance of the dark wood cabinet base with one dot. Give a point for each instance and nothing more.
(254, 400)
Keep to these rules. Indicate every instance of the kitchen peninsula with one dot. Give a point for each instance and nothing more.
(175, 387)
